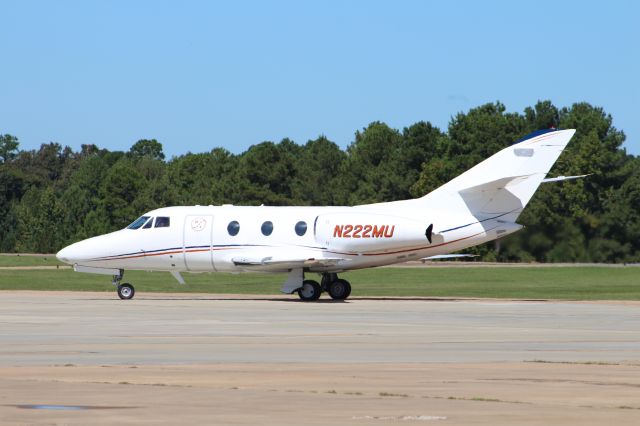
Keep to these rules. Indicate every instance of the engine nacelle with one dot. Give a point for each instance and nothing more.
(367, 232)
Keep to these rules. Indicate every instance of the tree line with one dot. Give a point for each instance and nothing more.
(54, 195)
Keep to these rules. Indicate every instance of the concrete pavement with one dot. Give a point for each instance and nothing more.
(227, 359)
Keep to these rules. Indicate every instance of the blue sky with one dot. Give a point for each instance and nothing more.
(197, 75)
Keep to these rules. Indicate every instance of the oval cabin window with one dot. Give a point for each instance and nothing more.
(233, 228)
(267, 228)
(301, 228)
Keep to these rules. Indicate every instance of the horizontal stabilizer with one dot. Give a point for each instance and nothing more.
(562, 178)
(493, 197)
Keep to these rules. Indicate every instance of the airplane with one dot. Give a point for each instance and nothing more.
(480, 205)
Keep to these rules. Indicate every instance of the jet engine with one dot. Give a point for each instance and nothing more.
(367, 232)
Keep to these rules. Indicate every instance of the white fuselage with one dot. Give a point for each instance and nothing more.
(198, 238)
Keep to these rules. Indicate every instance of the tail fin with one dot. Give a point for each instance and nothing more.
(504, 183)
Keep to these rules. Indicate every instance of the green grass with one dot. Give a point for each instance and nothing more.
(31, 260)
(567, 283)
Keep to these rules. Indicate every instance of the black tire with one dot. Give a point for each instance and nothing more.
(339, 289)
(309, 291)
(126, 291)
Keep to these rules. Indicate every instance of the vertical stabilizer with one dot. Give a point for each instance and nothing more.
(504, 183)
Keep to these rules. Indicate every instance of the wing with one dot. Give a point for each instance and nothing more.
(271, 264)
(447, 256)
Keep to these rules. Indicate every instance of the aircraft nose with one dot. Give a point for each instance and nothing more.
(88, 250)
(68, 255)
(63, 255)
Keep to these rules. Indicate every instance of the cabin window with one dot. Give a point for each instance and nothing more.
(138, 222)
(233, 228)
(162, 222)
(301, 228)
(267, 228)
(148, 224)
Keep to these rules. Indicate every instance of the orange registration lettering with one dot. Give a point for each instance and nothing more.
(363, 231)
(347, 231)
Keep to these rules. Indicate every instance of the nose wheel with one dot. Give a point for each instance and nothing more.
(126, 291)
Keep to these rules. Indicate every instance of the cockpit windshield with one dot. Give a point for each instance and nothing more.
(138, 222)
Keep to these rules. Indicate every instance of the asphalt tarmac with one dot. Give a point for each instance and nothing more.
(78, 358)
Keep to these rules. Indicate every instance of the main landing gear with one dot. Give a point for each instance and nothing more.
(125, 290)
(337, 288)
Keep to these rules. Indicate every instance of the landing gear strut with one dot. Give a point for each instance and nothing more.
(126, 290)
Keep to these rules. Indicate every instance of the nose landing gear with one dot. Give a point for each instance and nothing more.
(126, 290)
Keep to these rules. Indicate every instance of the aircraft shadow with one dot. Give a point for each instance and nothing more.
(351, 299)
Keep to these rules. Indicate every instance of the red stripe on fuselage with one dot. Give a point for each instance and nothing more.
(136, 256)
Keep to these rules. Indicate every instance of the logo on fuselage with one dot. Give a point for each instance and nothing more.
(198, 224)
(363, 231)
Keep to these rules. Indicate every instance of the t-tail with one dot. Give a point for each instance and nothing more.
(502, 185)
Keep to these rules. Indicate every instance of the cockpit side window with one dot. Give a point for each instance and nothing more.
(138, 222)
(148, 224)
(162, 222)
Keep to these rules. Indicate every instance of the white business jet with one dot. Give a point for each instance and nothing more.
(480, 205)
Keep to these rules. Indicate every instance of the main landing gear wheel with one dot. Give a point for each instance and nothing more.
(126, 291)
(309, 291)
(339, 289)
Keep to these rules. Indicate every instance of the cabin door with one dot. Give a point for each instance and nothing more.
(197, 243)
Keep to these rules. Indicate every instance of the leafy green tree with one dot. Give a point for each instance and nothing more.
(39, 215)
(472, 137)
(265, 172)
(544, 115)
(8, 147)
(368, 173)
(317, 175)
(118, 193)
(421, 142)
(147, 148)
(12, 188)
(44, 166)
